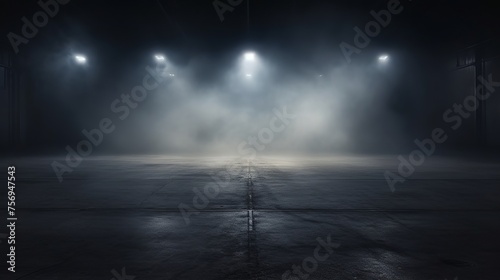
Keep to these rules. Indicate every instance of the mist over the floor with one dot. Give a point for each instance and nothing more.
(343, 108)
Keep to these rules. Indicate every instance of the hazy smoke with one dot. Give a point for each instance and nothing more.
(341, 109)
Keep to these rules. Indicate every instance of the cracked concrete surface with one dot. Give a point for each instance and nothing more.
(122, 212)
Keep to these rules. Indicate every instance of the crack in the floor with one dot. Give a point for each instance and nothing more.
(154, 192)
(303, 210)
(253, 256)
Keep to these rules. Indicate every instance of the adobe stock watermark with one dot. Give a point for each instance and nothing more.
(310, 264)
(122, 107)
(49, 8)
(248, 151)
(122, 276)
(427, 147)
(222, 7)
(362, 38)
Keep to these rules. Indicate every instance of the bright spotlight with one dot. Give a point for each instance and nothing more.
(383, 58)
(249, 75)
(80, 59)
(250, 56)
(171, 75)
(159, 58)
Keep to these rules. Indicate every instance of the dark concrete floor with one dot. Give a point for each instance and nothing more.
(118, 217)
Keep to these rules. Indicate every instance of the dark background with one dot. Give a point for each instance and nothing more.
(427, 40)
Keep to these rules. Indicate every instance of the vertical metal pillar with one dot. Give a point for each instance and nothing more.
(480, 114)
(13, 105)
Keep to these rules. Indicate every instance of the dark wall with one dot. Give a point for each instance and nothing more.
(14, 120)
(493, 106)
(479, 60)
(4, 108)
